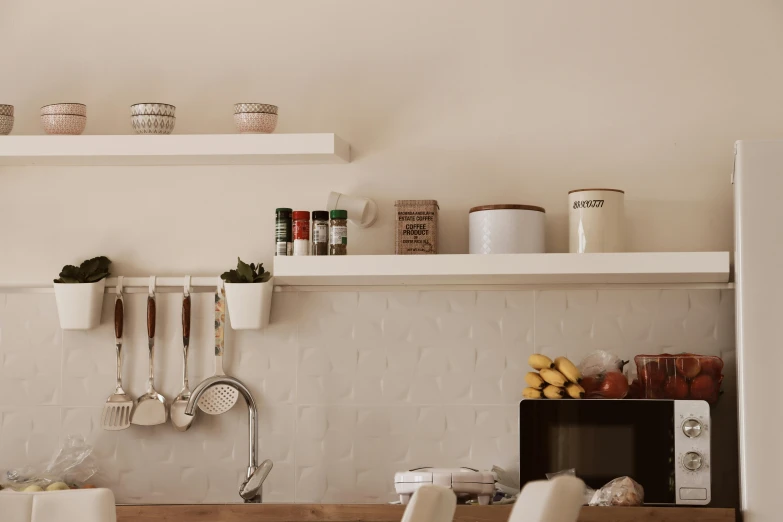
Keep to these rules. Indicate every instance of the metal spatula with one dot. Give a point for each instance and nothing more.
(219, 398)
(151, 407)
(181, 421)
(117, 410)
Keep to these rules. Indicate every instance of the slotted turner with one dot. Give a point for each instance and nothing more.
(219, 398)
(117, 410)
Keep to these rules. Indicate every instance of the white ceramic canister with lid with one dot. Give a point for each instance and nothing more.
(507, 229)
(596, 220)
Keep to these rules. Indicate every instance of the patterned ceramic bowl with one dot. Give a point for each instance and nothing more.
(262, 122)
(254, 107)
(6, 124)
(63, 123)
(153, 109)
(74, 109)
(151, 124)
(6, 110)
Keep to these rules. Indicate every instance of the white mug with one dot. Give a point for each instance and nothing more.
(596, 220)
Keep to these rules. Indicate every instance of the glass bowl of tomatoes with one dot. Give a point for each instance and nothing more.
(681, 376)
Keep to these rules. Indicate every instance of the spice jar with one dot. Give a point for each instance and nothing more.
(338, 233)
(320, 233)
(283, 243)
(301, 232)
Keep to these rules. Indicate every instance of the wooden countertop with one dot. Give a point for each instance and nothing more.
(392, 513)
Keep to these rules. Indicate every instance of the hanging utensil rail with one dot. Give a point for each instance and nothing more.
(131, 285)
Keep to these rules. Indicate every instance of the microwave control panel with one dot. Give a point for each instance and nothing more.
(692, 475)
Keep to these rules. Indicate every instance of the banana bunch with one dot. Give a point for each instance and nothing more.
(556, 379)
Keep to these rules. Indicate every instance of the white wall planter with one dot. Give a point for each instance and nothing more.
(249, 304)
(79, 305)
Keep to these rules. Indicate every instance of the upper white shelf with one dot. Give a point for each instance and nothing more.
(507, 269)
(176, 149)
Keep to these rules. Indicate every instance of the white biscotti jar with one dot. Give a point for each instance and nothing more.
(596, 220)
(507, 229)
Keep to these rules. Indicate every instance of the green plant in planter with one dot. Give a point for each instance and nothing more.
(246, 273)
(90, 271)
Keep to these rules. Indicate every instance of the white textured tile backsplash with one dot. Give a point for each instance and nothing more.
(351, 386)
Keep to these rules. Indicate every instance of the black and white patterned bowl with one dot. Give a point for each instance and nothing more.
(153, 109)
(255, 107)
(152, 124)
(6, 110)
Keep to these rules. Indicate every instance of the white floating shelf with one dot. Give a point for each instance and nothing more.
(507, 269)
(177, 149)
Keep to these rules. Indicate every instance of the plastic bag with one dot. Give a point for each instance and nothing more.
(623, 491)
(600, 362)
(602, 376)
(73, 464)
(571, 472)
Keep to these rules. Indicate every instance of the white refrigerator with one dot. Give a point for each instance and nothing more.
(758, 235)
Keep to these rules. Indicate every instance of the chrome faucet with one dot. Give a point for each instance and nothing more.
(250, 490)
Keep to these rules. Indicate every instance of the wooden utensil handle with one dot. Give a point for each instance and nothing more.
(150, 317)
(186, 316)
(118, 318)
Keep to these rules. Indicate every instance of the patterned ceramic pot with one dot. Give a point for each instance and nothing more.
(76, 109)
(153, 109)
(6, 110)
(151, 124)
(507, 229)
(255, 107)
(63, 123)
(259, 122)
(6, 124)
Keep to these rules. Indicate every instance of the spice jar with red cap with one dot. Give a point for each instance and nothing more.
(301, 232)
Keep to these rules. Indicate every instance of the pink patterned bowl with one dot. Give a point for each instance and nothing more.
(75, 109)
(258, 122)
(63, 123)
(6, 124)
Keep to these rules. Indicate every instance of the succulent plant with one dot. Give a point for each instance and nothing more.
(246, 273)
(90, 271)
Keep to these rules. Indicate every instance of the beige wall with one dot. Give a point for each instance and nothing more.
(468, 102)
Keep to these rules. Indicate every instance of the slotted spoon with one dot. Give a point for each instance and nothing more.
(221, 397)
(117, 410)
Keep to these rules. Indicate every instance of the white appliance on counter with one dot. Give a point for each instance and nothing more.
(465, 482)
(758, 233)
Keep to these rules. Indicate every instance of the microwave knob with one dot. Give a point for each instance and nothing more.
(692, 461)
(691, 428)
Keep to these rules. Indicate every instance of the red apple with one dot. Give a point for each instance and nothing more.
(688, 367)
(652, 375)
(704, 387)
(611, 385)
(676, 387)
(590, 384)
(712, 366)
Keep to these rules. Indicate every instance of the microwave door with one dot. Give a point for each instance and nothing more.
(600, 440)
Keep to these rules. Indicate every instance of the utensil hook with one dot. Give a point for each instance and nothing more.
(152, 286)
(188, 288)
(119, 285)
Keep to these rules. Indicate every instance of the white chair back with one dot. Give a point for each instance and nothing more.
(556, 500)
(81, 505)
(431, 504)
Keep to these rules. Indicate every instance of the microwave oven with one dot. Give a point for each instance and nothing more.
(664, 445)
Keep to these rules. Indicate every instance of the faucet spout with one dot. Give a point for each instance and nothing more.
(251, 488)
